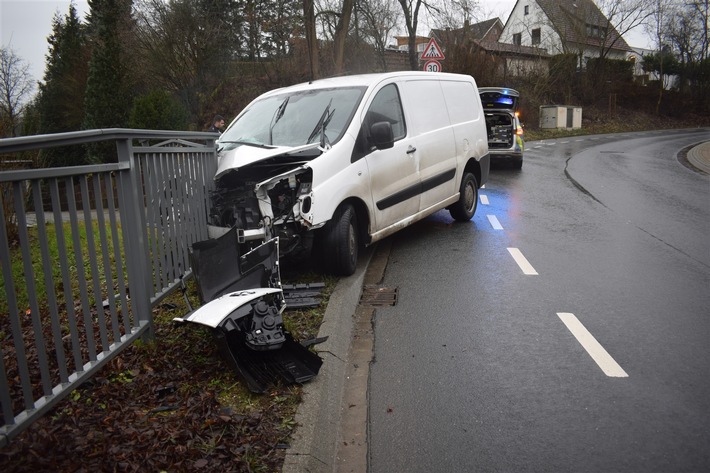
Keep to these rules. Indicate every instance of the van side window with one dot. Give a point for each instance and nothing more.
(387, 107)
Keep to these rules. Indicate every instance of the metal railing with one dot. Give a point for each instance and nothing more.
(86, 252)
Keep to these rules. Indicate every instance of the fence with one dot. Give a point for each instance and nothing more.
(86, 252)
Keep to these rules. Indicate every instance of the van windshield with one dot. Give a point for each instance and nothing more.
(295, 119)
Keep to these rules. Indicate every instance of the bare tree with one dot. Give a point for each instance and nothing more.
(377, 20)
(452, 14)
(687, 37)
(16, 85)
(411, 9)
(688, 31)
(658, 27)
(334, 18)
(702, 9)
(186, 45)
(622, 16)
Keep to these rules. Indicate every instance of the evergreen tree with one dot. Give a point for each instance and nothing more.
(157, 110)
(60, 104)
(109, 92)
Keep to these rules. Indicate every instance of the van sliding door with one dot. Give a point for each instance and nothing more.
(433, 137)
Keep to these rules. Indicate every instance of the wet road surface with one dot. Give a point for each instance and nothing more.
(565, 328)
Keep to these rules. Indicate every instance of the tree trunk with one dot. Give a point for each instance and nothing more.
(341, 34)
(309, 19)
(411, 22)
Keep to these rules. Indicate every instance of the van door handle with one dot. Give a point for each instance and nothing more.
(411, 149)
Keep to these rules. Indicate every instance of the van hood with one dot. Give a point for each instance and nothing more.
(246, 154)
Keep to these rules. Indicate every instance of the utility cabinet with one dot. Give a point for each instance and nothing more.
(560, 116)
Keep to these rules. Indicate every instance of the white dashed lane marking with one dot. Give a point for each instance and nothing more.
(494, 222)
(525, 266)
(610, 367)
(484, 199)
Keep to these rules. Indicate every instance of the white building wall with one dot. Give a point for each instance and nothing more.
(519, 22)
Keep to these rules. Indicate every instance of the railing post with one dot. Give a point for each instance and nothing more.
(134, 236)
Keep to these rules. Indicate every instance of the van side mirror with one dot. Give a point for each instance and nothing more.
(381, 135)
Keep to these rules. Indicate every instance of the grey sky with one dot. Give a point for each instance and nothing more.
(25, 25)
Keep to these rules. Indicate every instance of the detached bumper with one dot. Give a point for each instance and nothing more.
(244, 303)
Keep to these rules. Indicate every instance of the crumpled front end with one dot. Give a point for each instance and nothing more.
(265, 200)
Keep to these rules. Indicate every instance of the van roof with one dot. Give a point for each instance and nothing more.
(366, 80)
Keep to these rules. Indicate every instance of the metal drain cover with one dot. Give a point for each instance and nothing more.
(377, 296)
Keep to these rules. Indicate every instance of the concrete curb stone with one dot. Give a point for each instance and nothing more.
(314, 443)
(699, 156)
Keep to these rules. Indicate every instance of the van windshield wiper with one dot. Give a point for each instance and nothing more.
(320, 127)
(277, 116)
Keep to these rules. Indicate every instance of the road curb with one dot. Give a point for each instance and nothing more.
(314, 443)
(699, 156)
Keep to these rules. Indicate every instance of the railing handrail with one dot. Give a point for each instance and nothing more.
(31, 142)
(140, 214)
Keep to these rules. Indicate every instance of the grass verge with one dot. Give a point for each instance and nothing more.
(169, 405)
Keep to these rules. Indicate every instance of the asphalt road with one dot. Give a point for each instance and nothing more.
(565, 329)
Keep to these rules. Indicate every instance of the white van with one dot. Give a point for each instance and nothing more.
(334, 164)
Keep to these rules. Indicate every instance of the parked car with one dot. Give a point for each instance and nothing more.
(338, 163)
(505, 132)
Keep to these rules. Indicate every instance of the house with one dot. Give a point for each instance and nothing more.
(488, 30)
(483, 38)
(564, 26)
(515, 60)
(636, 57)
(403, 43)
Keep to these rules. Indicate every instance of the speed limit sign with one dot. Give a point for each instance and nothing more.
(432, 66)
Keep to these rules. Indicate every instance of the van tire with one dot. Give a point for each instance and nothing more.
(341, 242)
(464, 209)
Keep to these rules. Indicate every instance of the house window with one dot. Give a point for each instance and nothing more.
(596, 31)
(535, 36)
(518, 39)
(527, 9)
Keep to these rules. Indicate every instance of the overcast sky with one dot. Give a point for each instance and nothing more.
(25, 25)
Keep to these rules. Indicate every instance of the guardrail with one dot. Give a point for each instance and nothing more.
(86, 252)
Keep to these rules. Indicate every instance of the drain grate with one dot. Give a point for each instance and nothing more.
(376, 296)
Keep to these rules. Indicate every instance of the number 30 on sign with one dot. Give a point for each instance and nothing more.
(432, 66)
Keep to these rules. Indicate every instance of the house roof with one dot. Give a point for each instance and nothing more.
(494, 47)
(571, 17)
(475, 31)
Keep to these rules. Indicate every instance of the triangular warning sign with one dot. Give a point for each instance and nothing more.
(432, 50)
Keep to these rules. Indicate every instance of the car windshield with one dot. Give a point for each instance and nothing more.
(294, 119)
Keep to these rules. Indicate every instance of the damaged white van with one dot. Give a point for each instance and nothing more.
(334, 164)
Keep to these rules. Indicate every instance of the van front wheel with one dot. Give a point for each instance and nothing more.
(340, 242)
(464, 209)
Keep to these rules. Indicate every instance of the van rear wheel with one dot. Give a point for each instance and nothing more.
(340, 242)
(464, 209)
